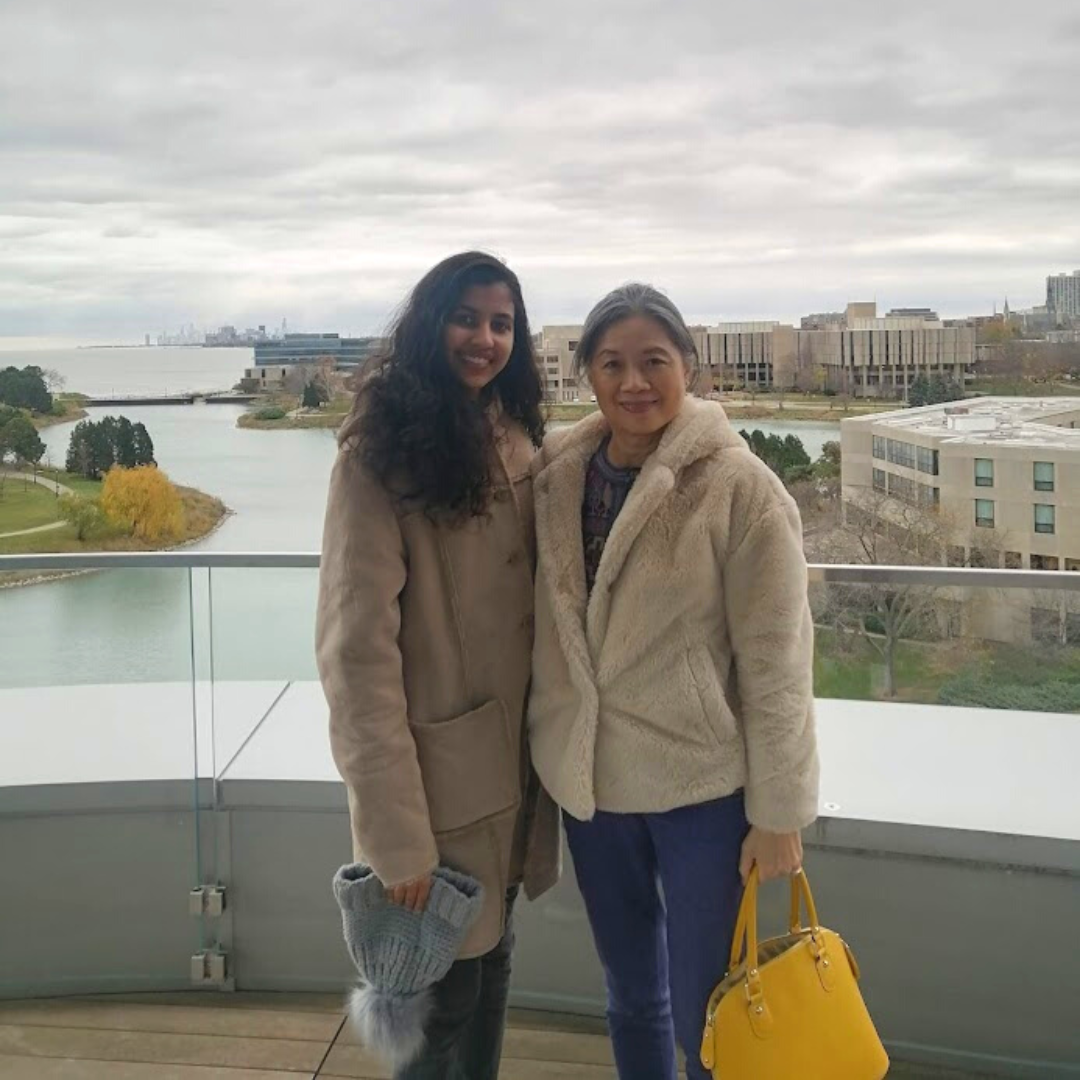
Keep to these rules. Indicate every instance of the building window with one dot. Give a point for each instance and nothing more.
(900, 487)
(1044, 562)
(929, 496)
(984, 472)
(1014, 560)
(879, 479)
(1072, 564)
(1044, 476)
(985, 558)
(1053, 626)
(572, 346)
(954, 555)
(901, 453)
(984, 513)
(879, 447)
(1044, 518)
(927, 460)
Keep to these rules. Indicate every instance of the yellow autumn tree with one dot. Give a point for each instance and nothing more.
(144, 501)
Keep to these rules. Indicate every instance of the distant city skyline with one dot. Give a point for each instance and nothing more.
(754, 161)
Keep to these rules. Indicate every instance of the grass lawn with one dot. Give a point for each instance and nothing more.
(858, 674)
(24, 505)
(89, 489)
(977, 673)
(1018, 387)
(331, 415)
(570, 410)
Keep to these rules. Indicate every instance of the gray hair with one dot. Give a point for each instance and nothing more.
(625, 302)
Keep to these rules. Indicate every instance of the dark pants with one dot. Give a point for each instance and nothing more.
(662, 954)
(465, 1029)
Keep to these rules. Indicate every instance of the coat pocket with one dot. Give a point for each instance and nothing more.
(468, 767)
(718, 716)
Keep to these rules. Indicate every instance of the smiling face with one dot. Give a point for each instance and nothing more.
(639, 377)
(479, 335)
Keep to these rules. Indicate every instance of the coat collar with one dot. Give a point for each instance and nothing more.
(700, 429)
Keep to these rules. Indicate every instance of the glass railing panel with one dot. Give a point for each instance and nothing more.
(101, 749)
(950, 698)
(995, 646)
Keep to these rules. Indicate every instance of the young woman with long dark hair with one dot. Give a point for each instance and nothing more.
(425, 630)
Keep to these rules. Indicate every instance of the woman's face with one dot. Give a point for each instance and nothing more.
(639, 377)
(479, 335)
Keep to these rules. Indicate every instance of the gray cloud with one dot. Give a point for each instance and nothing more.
(163, 163)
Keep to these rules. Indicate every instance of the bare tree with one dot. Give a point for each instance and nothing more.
(881, 531)
(54, 380)
(1055, 617)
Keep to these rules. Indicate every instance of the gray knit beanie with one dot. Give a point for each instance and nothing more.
(400, 954)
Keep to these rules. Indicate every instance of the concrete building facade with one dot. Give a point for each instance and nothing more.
(854, 352)
(555, 347)
(752, 355)
(1004, 473)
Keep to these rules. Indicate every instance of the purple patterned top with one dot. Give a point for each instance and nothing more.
(606, 490)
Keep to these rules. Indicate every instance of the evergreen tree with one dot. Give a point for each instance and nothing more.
(919, 392)
(19, 439)
(96, 447)
(25, 389)
(143, 445)
(785, 456)
(125, 443)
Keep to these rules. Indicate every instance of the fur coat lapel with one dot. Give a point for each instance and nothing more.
(700, 429)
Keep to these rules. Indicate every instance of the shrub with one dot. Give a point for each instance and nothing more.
(974, 689)
(271, 412)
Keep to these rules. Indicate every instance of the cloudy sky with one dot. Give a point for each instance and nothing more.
(182, 161)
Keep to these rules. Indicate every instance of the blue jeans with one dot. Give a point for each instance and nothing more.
(465, 1030)
(663, 952)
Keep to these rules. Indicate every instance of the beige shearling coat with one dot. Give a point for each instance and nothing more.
(424, 639)
(688, 672)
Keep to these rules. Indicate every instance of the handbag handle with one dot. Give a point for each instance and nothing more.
(746, 923)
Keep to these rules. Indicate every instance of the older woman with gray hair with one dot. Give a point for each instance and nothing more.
(671, 713)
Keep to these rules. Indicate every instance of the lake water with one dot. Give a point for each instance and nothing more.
(137, 625)
(150, 370)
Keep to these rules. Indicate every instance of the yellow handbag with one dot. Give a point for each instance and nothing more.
(790, 1008)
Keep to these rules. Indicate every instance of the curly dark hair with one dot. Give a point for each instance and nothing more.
(419, 432)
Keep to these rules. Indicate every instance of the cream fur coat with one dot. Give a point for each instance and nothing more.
(688, 673)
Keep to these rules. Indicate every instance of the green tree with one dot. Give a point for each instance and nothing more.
(314, 395)
(786, 457)
(89, 453)
(19, 440)
(827, 467)
(942, 389)
(84, 515)
(25, 389)
(125, 444)
(919, 392)
(144, 445)
(95, 447)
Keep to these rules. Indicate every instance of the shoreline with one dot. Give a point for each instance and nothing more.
(43, 422)
(44, 577)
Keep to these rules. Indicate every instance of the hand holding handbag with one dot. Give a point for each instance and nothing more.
(790, 1007)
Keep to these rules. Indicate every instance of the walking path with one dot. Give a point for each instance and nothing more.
(44, 481)
(36, 529)
(53, 486)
